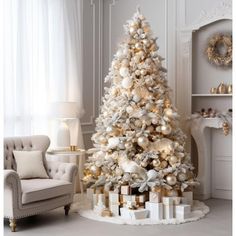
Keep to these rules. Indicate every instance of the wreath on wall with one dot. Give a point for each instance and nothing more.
(219, 50)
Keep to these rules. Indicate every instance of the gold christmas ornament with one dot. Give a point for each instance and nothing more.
(181, 176)
(171, 179)
(143, 142)
(166, 129)
(167, 103)
(132, 30)
(95, 170)
(225, 128)
(173, 160)
(143, 72)
(156, 163)
(163, 164)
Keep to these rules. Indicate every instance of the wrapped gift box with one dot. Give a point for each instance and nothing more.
(98, 197)
(90, 192)
(125, 189)
(115, 209)
(155, 210)
(167, 201)
(113, 197)
(133, 214)
(187, 197)
(182, 211)
(128, 198)
(168, 212)
(155, 197)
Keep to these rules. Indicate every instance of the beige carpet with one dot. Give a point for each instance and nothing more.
(217, 223)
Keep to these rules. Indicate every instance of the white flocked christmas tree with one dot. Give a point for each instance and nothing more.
(138, 141)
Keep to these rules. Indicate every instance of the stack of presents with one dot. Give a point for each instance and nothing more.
(153, 205)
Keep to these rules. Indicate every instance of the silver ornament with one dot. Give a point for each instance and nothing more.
(171, 179)
(138, 123)
(129, 109)
(154, 121)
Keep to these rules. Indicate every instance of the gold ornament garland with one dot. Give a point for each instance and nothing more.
(219, 50)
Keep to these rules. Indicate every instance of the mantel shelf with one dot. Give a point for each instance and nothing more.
(210, 95)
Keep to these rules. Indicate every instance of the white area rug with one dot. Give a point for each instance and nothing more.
(81, 205)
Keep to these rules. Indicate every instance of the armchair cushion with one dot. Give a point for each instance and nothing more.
(34, 190)
(29, 164)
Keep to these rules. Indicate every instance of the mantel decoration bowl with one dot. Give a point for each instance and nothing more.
(219, 50)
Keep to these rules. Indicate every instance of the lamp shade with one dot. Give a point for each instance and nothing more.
(64, 110)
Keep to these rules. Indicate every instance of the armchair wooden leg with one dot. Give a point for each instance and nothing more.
(12, 224)
(67, 209)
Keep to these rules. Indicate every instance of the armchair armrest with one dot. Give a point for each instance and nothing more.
(62, 171)
(12, 192)
(11, 179)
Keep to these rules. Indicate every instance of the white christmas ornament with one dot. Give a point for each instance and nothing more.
(143, 142)
(127, 82)
(124, 71)
(113, 142)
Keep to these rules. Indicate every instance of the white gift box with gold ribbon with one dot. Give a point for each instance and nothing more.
(155, 210)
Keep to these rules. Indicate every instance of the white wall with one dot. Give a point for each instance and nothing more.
(103, 30)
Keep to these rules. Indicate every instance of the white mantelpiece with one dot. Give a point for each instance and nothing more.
(201, 130)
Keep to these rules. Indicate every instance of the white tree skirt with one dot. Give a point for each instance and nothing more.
(81, 205)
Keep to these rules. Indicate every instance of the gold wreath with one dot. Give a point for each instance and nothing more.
(213, 51)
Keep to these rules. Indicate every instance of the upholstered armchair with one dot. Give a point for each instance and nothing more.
(26, 197)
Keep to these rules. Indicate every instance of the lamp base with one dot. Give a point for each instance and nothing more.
(63, 135)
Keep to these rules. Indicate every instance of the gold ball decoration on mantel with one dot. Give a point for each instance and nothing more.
(219, 50)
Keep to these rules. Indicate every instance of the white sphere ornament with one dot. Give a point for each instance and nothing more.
(113, 142)
(143, 142)
(139, 31)
(181, 176)
(137, 72)
(127, 82)
(129, 109)
(166, 129)
(124, 71)
(171, 179)
(143, 72)
(154, 121)
(132, 30)
(136, 98)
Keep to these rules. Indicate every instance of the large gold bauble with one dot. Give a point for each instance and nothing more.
(144, 164)
(181, 176)
(173, 160)
(164, 164)
(166, 129)
(171, 179)
(156, 162)
(95, 170)
(167, 103)
(143, 142)
(143, 72)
